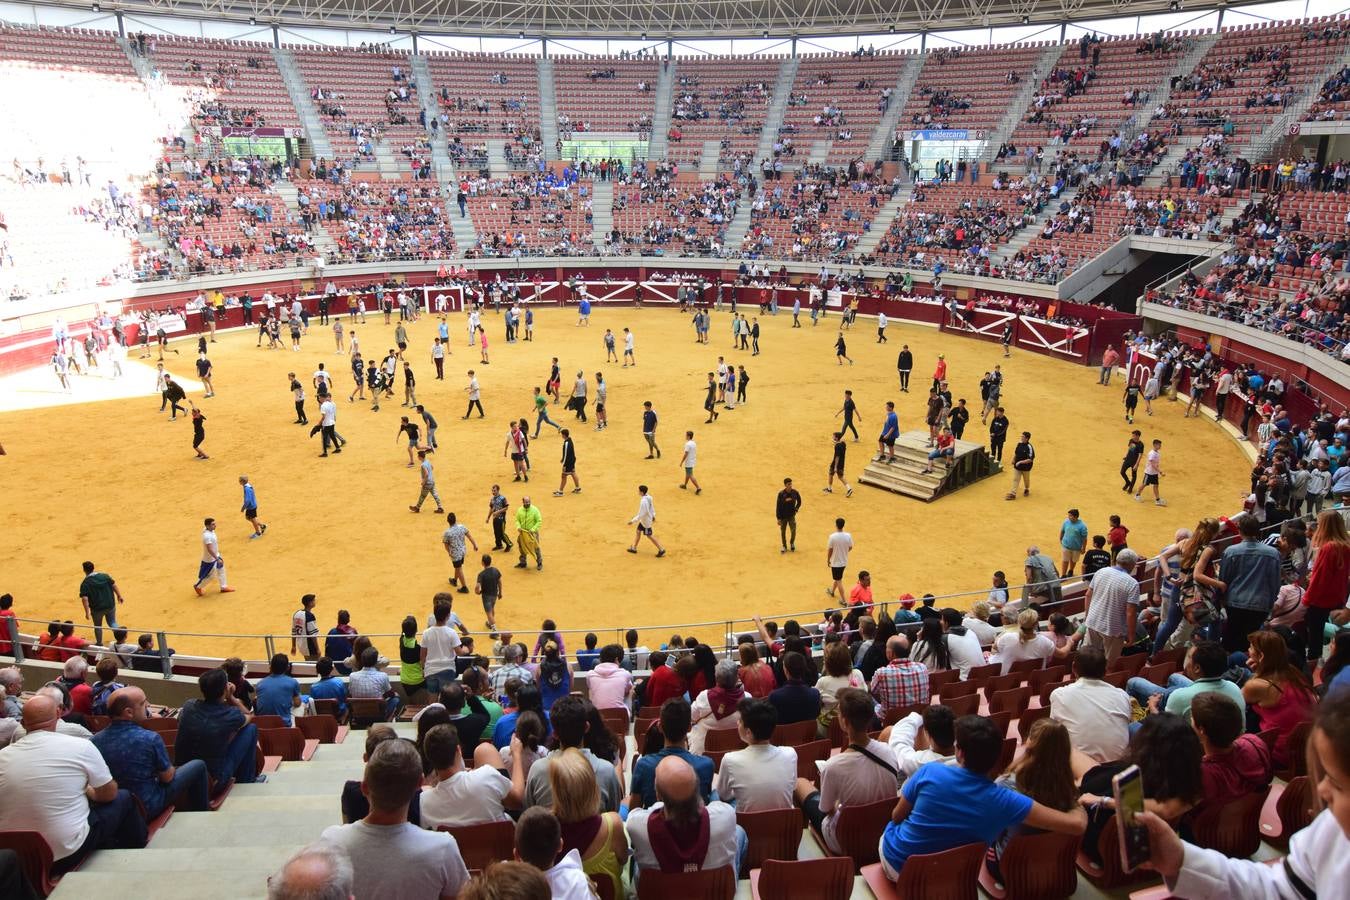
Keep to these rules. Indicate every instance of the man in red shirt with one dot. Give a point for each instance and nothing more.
(861, 595)
(1235, 763)
(70, 643)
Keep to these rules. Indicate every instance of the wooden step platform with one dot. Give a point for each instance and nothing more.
(905, 476)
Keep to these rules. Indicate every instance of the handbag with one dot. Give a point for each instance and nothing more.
(1199, 602)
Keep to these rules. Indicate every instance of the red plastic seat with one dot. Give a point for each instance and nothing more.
(896, 713)
(1013, 701)
(288, 743)
(322, 728)
(981, 674)
(266, 722)
(830, 878)
(957, 689)
(1029, 717)
(807, 755)
(1110, 875)
(771, 834)
(1042, 677)
(1288, 810)
(482, 845)
(160, 724)
(724, 739)
(949, 875)
(858, 829)
(712, 884)
(794, 734)
(1026, 666)
(1233, 828)
(1298, 752)
(1035, 867)
(35, 857)
(938, 680)
(364, 711)
(964, 706)
(1004, 682)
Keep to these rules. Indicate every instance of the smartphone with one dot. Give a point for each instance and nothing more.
(1128, 788)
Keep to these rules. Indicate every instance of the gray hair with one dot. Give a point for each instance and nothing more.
(58, 694)
(726, 674)
(321, 871)
(12, 678)
(1127, 559)
(512, 653)
(1033, 550)
(76, 667)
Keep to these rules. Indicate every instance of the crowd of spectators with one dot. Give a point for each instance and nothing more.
(688, 219)
(372, 220)
(538, 210)
(821, 214)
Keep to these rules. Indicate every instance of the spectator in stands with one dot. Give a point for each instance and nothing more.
(513, 655)
(1097, 714)
(1313, 866)
(72, 678)
(11, 679)
(938, 723)
(60, 787)
(635, 658)
(137, 759)
(587, 658)
(717, 707)
(146, 658)
(1234, 763)
(1278, 692)
(477, 682)
(469, 796)
(366, 683)
(756, 675)
(795, 701)
(554, 677)
(102, 689)
(942, 807)
(1043, 773)
(682, 830)
(355, 806)
(839, 674)
(218, 730)
(1250, 575)
(903, 682)
(539, 842)
(321, 870)
(596, 836)
(466, 713)
(278, 692)
(526, 698)
(1112, 602)
(502, 880)
(1330, 572)
(392, 857)
(337, 645)
(1168, 754)
(329, 687)
(1025, 643)
(851, 777)
(243, 690)
(978, 622)
(675, 724)
(1205, 665)
(71, 723)
(666, 680)
(568, 718)
(761, 776)
(609, 684)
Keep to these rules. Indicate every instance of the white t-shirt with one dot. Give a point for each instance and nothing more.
(1010, 649)
(395, 862)
(1097, 715)
(210, 546)
(628, 340)
(440, 642)
(841, 542)
(965, 651)
(881, 320)
(567, 880)
(473, 388)
(322, 375)
(471, 797)
(1154, 463)
(42, 778)
(690, 454)
(759, 777)
(329, 410)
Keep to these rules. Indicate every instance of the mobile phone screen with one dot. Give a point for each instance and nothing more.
(1129, 791)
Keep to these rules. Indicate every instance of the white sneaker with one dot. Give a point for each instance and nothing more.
(1160, 502)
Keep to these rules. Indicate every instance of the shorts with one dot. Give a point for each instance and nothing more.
(457, 563)
(489, 604)
(1150, 479)
(599, 407)
(1131, 402)
(836, 468)
(689, 470)
(888, 441)
(569, 471)
(643, 529)
(1070, 555)
(517, 457)
(403, 345)
(837, 572)
(251, 513)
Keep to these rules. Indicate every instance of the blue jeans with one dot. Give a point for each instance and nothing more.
(437, 681)
(240, 761)
(190, 784)
(98, 617)
(1171, 621)
(115, 825)
(1141, 689)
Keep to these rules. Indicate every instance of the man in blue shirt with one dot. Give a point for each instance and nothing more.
(889, 432)
(1251, 572)
(250, 508)
(278, 693)
(329, 687)
(943, 807)
(675, 723)
(337, 646)
(217, 730)
(1073, 535)
(137, 759)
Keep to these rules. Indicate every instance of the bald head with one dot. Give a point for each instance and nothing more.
(677, 787)
(41, 713)
(320, 871)
(897, 647)
(127, 703)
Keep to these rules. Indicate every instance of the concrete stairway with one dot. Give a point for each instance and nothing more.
(299, 94)
(1263, 144)
(1030, 84)
(1028, 232)
(773, 119)
(905, 475)
(658, 146)
(497, 164)
(441, 164)
(465, 232)
(737, 227)
(143, 66)
(880, 144)
(820, 151)
(708, 162)
(602, 212)
(881, 223)
(323, 241)
(548, 108)
(388, 163)
(1161, 93)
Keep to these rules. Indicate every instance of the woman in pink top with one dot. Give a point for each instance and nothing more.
(756, 675)
(1277, 692)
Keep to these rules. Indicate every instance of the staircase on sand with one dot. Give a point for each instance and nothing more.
(905, 476)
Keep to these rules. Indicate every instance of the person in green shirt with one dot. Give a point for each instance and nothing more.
(410, 674)
(100, 596)
(528, 521)
(541, 412)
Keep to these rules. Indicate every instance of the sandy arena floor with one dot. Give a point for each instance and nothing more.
(113, 481)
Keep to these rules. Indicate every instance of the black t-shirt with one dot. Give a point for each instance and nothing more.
(411, 429)
(203, 366)
(905, 361)
(1133, 452)
(998, 427)
(789, 501)
(1095, 559)
(849, 408)
(840, 450)
(960, 416)
(490, 581)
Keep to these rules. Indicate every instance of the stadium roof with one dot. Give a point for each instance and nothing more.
(654, 19)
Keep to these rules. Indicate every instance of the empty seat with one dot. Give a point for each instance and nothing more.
(482, 845)
(771, 834)
(858, 829)
(712, 884)
(949, 875)
(830, 878)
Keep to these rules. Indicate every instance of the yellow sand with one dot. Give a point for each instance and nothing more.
(116, 483)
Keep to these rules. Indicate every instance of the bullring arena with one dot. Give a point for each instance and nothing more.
(1135, 224)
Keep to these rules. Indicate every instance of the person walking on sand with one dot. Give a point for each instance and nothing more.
(1024, 458)
(689, 460)
(1152, 472)
(212, 564)
(569, 465)
(430, 422)
(628, 358)
(206, 372)
(890, 432)
(837, 549)
(198, 431)
(250, 508)
(841, 350)
(601, 395)
(649, 429)
(837, 466)
(413, 432)
(541, 413)
(786, 507)
(473, 391)
(904, 364)
(710, 402)
(498, 506)
(610, 354)
(428, 481)
(644, 520)
(849, 411)
(515, 448)
(454, 539)
(409, 386)
(528, 521)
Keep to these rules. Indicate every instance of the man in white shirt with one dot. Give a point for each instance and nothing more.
(328, 425)
(212, 562)
(681, 809)
(1113, 605)
(646, 518)
(761, 776)
(1096, 714)
(474, 397)
(836, 556)
(978, 623)
(469, 796)
(538, 842)
(939, 724)
(689, 460)
(392, 858)
(48, 781)
(568, 719)
(438, 650)
(962, 643)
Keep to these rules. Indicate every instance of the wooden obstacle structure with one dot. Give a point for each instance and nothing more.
(971, 463)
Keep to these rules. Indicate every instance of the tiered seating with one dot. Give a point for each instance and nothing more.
(657, 214)
(951, 79)
(359, 85)
(486, 97)
(1243, 74)
(817, 213)
(722, 99)
(958, 222)
(589, 98)
(1081, 104)
(840, 101)
(528, 215)
(382, 220)
(234, 83)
